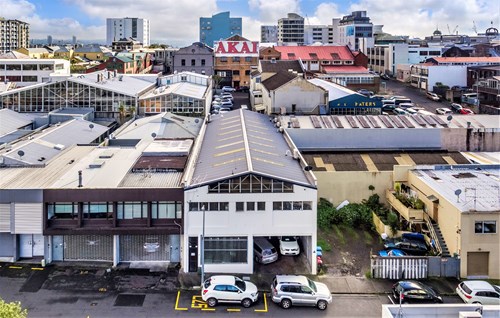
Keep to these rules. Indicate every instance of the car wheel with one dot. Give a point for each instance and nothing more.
(212, 302)
(247, 302)
(322, 305)
(477, 303)
(286, 303)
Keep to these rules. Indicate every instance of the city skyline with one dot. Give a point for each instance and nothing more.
(86, 19)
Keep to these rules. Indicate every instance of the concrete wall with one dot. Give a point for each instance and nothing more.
(300, 92)
(474, 139)
(337, 186)
(450, 75)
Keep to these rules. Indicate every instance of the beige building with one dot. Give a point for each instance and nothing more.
(464, 202)
(14, 34)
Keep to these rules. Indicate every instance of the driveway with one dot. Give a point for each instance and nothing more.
(417, 96)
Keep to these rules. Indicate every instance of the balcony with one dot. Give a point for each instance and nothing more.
(410, 208)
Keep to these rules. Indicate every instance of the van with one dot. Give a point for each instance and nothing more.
(398, 101)
(264, 251)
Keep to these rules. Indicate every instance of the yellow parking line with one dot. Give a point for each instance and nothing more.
(265, 304)
(234, 309)
(208, 309)
(177, 302)
(37, 268)
(16, 267)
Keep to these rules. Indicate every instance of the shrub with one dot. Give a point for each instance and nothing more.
(12, 310)
(393, 222)
(325, 209)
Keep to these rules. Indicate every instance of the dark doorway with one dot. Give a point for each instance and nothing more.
(193, 254)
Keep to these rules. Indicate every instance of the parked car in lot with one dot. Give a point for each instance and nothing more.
(289, 245)
(388, 107)
(433, 96)
(411, 111)
(443, 111)
(297, 290)
(229, 289)
(466, 111)
(242, 89)
(479, 292)
(456, 107)
(399, 111)
(393, 252)
(227, 96)
(409, 291)
(379, 97)
(264, 251)
(365, 92)
(228, 89)
(406, 105)
(409, 246)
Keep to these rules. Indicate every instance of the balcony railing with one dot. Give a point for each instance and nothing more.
(409, 213)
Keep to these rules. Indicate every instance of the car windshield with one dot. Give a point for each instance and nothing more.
(312, 285)
(240, 284)
(288, 239)
(207, 283)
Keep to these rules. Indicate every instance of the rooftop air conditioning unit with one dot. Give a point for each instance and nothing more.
(59, 147)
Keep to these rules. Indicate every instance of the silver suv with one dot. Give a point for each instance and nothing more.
(293, 290)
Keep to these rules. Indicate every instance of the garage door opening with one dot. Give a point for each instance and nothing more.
(286, 262)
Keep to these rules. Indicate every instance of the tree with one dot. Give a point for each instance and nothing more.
(217, 79)
(12, 310)
(122, 111)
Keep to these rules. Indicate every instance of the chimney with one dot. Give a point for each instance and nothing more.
(80, 179)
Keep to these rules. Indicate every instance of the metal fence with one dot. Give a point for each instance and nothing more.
(414, 267)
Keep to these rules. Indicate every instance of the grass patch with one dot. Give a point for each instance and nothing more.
(327, 247)
(338, 233)
(353, 234)
(368, 237)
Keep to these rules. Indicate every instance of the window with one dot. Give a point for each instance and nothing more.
(247, 72)
(277, 206)
(248, 59)
(236, 59)
(261, 206)
(307, 205)
(203, 62)
(240, 206)
(485, 227)
(223, 59)
(250, 206)
(62, 211)
(132, 210)
(209, 206)
(166, 210)
(225, 250)
(193, 62)
(236, 72)
(183, 62)
(287, 205)
(30, 67)
(14, 67)
(97, 210)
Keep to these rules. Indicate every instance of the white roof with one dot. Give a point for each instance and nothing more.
(335, 91)
(128, 85)
(182, 89)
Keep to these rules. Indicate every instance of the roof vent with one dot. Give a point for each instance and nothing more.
(97, 164)
(59, 147)
(106, 154)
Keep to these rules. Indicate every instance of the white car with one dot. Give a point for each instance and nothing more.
(479, 292)
(228, 89)
(226, 96)
(443, 111)
(229, 289)
(289, 245)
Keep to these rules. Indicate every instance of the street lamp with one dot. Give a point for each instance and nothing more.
(203, 246)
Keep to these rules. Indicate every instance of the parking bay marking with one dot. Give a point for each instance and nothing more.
(177, 302)
(198, 303)
(265, 304)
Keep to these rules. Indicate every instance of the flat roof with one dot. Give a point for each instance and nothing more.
(240, 142)
(128, 85)
(183, 89)
(478, 185)
(378, 161)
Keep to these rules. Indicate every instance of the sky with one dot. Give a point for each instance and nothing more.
(176, 22)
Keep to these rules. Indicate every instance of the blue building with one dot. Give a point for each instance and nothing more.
(219, 26)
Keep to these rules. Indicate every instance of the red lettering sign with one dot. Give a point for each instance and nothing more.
(231, 47)
(235, 48)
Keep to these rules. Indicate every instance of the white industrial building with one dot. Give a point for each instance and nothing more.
(247, 181)
(25, 72)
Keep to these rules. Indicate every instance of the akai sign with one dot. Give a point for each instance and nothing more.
(236, 48)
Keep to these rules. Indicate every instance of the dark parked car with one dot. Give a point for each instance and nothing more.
(414, 292)
(409, 246)
(456, 107)
(244, 89)
(365, 92)
(385, 76)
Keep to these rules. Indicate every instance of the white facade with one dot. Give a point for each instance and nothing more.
(250, 223)
(350, 29)
(25, 72)
(426, 76)
(120, 28)
(318, 34)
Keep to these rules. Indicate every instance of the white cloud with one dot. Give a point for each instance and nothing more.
(419, 18)
(251, 28)
(270, 11)
(324, 13)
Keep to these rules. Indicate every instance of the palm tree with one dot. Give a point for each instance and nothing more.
(121, 110)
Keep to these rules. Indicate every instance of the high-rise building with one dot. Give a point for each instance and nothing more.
(351, 28)
(219, 27)
(269, 33)
(49, 40)
(291, 30)
(122, 28)
(14, 34)
(317, 34)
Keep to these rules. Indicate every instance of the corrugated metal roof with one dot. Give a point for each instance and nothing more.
(241, 142)
(128, 85)
(468, 59)
(279, 79)
(314, 53)
(183, 89)
(11, 121)
(152, 180)
(51, 142)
